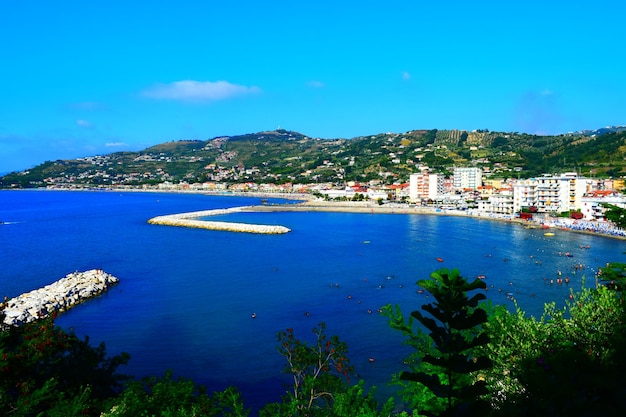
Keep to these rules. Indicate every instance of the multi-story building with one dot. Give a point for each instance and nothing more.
(613, 184)
(467, 177)
(425, 185)
(436, 185)
(592, 203)
(551, 193)
(501, 202)
(524, 194)
(418, 184)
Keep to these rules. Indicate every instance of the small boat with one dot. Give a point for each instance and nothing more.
(548, 234)
(439, 259)
(481, 277)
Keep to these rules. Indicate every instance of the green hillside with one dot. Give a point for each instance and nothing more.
(284, 156)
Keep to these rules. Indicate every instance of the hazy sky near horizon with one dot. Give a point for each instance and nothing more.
(81, 78)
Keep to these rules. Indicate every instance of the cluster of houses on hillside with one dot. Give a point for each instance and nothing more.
(466, 188)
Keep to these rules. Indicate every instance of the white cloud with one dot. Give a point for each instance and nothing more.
(315, 84)
(116, 144)
(84, 123)
(190, 90)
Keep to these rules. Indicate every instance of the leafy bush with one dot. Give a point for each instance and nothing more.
(44, 368)
(570, 361)
(163, 396)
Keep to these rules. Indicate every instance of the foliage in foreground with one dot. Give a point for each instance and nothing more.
(320, 374)
(167, 397)
(45, 369)
(444, 376)
(569, 362)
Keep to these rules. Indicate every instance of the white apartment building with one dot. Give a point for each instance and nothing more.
(501, 203)
(436, 186)
(592, 204)
(467, 177)
(551, 193)
(524, 194)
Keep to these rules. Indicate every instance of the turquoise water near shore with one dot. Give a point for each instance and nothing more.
(186, 295)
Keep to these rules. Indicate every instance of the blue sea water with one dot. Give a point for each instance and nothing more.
(186, 296)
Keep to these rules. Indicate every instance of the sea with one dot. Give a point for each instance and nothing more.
(187, 297)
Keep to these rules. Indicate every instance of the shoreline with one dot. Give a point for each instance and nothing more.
(372, 208)
(258, 194)
(310, 203)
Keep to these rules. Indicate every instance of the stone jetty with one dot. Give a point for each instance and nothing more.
(191, 220)
(59, 296)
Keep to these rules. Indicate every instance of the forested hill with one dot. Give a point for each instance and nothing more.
(285, 156)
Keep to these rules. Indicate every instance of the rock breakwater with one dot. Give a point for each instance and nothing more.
(191, 220)
(59, 296)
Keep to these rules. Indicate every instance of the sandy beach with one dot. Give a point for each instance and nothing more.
(591, 228)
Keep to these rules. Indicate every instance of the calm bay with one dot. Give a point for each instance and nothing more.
(186, 296)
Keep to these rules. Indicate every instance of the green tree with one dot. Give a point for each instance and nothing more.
(44, 368)
(615, 214)
(166, 397)
(320, 373)
(569, 362)
(317, 371)
(449, 366)
(355, 402)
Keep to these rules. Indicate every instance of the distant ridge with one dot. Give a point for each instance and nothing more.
(603, 130)
(283, 156)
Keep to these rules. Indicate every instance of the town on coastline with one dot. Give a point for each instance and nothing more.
(566, 200)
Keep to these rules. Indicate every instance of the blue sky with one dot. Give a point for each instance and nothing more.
(80, 78)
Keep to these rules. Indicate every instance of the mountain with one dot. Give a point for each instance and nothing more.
(285, 156)
(602, 130)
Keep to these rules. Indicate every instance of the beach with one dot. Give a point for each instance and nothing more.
(570, 225)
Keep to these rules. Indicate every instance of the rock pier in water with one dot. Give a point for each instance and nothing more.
(59, 296)
(191, 220)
